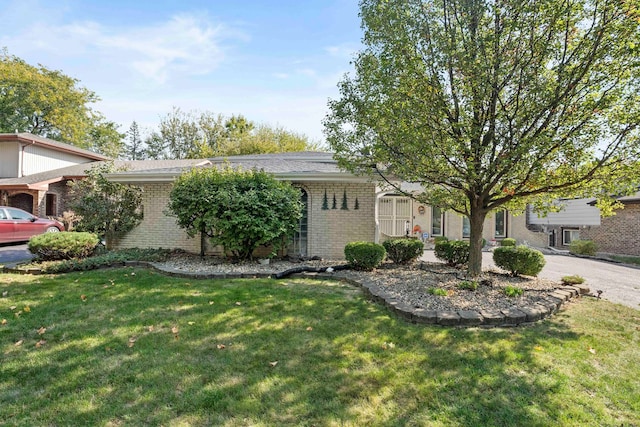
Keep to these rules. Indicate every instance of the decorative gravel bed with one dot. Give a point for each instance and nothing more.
(409, 285)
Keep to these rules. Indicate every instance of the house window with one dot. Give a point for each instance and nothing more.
(466, 227)
(394, 215)
(301, 236)
(569, 235)
(501, 224)
(437, 222)
(51, 205)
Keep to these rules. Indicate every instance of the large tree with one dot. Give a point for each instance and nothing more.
(51, 104)
(493, 104)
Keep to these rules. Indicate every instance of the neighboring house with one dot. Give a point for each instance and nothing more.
(23, 155)
(568, 224)
(338, 208)
(620, 233)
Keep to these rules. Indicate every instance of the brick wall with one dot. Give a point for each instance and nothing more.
(328, 230)
(618, 234)
(331, 229)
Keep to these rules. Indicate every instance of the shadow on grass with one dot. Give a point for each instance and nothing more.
(147, 349)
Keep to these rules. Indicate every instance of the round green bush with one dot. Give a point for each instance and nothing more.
(453, 252)
(509, 241)
(440, 239)
(403, 251)
(364, 255)
(63, 245)
(519, 260)
(583, 247)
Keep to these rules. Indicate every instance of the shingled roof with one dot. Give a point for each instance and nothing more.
(27, 138)
(40, 181)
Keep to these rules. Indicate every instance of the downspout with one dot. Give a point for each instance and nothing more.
(22, 157)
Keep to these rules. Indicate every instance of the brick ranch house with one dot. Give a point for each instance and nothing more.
(339, 208)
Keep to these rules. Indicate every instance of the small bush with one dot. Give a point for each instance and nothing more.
(583, 247)
(572, 280)
(509, 241)
(64, 245)
(403, 251)
(364, 255)
(519, 260)
(453, 252)
(438, 291)
(440, 239)
(105, 260)
(512, 291)
(469, 285)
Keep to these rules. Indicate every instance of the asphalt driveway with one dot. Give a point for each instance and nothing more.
(11, 252)
(618, 283)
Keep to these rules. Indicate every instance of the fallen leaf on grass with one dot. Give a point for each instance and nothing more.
(132, 341)
(238, 303)
(5, 293)
(309, 329)
(221, 346)
(3, 322)
(13, 307)
(191, 323)
(174, 330)
(83, 297)
(19, 343)
(388, 346)
(17, 313)
(272, 364)
(150, 328)
(27, 309)
(42, 330)
(592, 350)
(40, 343)
(210, 302)
(538, 348)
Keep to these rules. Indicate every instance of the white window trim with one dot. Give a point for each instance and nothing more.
(564, 240)
(504, 233)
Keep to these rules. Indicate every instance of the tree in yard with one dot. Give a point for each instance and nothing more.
(108, 209)
(494, 104)
(134, 148)
(239, 210)
(51, 104)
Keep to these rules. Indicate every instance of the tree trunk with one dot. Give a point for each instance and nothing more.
(476, 221)
(203, 242)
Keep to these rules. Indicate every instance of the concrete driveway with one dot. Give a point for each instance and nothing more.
(11, 252)
(618, 283)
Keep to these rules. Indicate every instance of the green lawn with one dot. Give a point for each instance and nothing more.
(132, 347)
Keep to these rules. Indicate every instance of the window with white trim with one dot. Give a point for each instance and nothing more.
(437, 221)
(569, 235)
(466, 227)
(394, 215)
(501, 223)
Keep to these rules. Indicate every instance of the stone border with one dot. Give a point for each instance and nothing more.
(513, 316)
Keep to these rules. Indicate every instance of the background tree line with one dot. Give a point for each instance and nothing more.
(51, 104)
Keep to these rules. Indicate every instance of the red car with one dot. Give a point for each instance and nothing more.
(17, 225)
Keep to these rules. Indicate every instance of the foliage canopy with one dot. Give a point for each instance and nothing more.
(493, 104)
(239, 210)
(51, 104)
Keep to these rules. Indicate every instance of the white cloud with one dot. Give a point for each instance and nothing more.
(345, 51)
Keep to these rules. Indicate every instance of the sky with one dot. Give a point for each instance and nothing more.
(276, 62)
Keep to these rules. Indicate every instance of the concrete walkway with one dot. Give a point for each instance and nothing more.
(618, 283)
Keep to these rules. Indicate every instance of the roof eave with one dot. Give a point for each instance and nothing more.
(126, 178)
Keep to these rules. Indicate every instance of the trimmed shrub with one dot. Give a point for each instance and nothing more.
(572, 280)
(64, 245)
(509, 241)
(364, 255)
(440, 239)
(519, 260)
(583, 247)
(453, 252)
(403, 251)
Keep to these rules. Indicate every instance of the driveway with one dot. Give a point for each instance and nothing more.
(11, 252)
(618, 283)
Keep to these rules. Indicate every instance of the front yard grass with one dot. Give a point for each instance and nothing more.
(133, 347)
